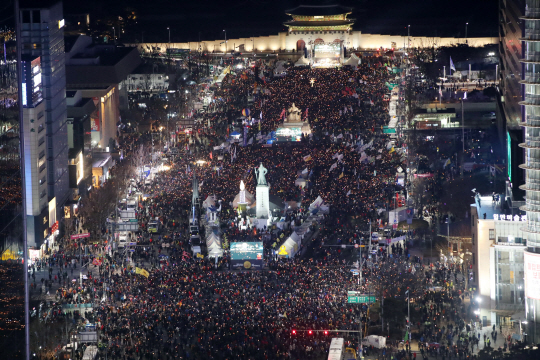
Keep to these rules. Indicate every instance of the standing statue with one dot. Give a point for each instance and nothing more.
(260, 173)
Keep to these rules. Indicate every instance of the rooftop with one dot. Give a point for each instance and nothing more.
(319, 23)
(319, 10)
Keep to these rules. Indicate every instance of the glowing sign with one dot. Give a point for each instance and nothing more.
(532, 275)
(61, 23)
(331, 50)
(509, 155)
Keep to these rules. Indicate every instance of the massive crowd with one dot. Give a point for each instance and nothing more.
(186, 309)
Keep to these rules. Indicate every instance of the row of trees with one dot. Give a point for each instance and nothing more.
(101, 202)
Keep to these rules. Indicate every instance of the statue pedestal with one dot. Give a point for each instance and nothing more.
(263, 201)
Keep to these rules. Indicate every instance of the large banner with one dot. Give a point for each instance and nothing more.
(331, 50)
(532, 275)
(247, 255)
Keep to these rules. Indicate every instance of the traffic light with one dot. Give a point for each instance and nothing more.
(294, 332)
(325, 332)
(310, 332)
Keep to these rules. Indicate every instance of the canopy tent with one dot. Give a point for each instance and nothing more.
(300, 182)
(215, 253)
(295, 237)
(213, 239)
(352, 61)
(288, 249)
(302, 62)
(250, 199)
(317, 203)
(210, 201)
(214, 246)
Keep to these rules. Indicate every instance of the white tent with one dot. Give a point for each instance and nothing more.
(302, 62)
(210, 201)
(295, 237)
(250, 199)
(288, 249)
(214, 246)
(213, 239)
(352, 61)
(316, 204)
(215, 253)
(300, 182)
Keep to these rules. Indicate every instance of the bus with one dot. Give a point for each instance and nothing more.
(336, 349)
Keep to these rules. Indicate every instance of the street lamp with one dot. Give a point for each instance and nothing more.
(408, 37)
(466, 24)
(225, 32)
(168, 28)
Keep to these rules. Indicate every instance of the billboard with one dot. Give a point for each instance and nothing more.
(247, 255)
(330, 50)
(289, 134)
(532, 275)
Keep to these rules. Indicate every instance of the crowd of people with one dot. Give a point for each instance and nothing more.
(186, 308)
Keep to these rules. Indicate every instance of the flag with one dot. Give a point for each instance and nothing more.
(349, 193)
(142, 272)
(448, 162)
(452, 64)
(406, 338)
(392, 150)
(340, 176)
(307, 158)
(440, 91)
(211, 158)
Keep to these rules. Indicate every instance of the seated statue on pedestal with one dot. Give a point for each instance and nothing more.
(294, 114)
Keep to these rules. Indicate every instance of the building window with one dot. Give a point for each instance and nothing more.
(491, 234)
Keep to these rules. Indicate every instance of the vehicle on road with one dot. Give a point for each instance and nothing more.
(154, 227)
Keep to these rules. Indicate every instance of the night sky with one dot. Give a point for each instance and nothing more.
(265, 17)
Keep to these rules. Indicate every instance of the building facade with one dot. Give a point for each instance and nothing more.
(309, 24)
(511, 88)
(531, 123)
(42, 35)
(34, 151)
(499, 246)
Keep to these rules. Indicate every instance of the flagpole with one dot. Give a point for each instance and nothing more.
(462, 135)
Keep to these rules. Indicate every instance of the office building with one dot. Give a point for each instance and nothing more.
(35, 160)
(510, 90)
(499, 245)
(42, 35)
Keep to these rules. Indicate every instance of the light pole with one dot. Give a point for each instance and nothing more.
(225, 32)
(466, 24)
(462, 135)
(114, 38)
(408, 37)
(168, 28)
(408, 314)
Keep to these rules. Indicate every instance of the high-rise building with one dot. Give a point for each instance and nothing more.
(34, 152)
(519, 30)
(510, 50)
(42, 35)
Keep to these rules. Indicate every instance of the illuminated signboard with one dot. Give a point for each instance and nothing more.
(509, 155)
(532, 275)
(248, 255)
(61, 23)
(289, 134)
(331, 50)
(24, 102)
